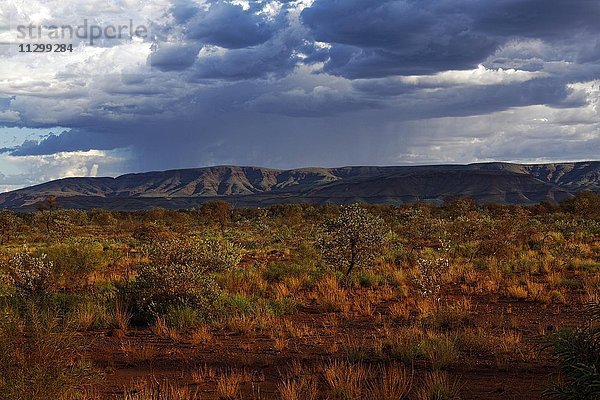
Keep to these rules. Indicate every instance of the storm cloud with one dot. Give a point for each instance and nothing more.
(297, 83)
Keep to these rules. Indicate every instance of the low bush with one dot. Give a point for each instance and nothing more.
(178, 277)
(208, 255)
(29, 273)
(74, 262)
(160, 287)
(149, 233)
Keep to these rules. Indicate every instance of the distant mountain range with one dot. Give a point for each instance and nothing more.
(502, 183)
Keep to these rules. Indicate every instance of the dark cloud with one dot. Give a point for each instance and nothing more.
(479, 100)
(590, 53)
(542, 19)
(72, 140)
(229, 25)
(183, 10)
(275, 57)
(385, 37)
(388, 37)
(250, 63)
(238, 43)
(318, 102)
(174, 56)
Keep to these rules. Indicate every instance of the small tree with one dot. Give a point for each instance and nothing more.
(353, 239)
(45, 208)
(218, 211)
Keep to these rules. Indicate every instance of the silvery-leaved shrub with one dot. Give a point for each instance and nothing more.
(206, 254)
(32, 274)
(220, 255)
(178, 274)
(429, 278)
(160, 287)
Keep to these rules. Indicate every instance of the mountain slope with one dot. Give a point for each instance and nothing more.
(252, 186)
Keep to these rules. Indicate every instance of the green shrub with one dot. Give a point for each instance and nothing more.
(64, 303)
(178, 276)
(75, 261)
(280, 307)
(570, 283)
(557, 297)
(406, 351)
(105, 291)
(589, 265)
(440, 351)
(238, 304)
(369, 279)
(220, 255)
(242, 305)
(480, 265)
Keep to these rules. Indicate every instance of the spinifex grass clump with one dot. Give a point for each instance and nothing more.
(577, 352)
(40, 358)
(152, 389)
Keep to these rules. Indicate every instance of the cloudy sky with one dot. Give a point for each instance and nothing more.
(283, 84)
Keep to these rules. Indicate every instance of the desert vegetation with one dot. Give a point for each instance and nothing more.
(302, 302)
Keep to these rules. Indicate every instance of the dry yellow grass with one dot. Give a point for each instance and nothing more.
(202, 336)
(229, 383)
(330, 296)
(346, 380)
(203, 374)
